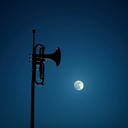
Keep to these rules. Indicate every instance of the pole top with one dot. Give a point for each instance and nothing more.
(34, 31)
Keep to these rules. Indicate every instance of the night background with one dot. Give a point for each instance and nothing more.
(93, 38)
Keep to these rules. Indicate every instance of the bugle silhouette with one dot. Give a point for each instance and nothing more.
(38, 59)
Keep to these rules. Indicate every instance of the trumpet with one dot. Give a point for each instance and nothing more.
(38, 59)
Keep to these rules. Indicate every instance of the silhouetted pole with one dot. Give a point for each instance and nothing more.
(38, 58)
(33, 84)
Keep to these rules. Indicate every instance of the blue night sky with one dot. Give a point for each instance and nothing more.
(93, 38)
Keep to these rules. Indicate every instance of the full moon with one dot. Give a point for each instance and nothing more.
(79, 85)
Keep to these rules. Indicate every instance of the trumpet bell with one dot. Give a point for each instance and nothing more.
(56, 56)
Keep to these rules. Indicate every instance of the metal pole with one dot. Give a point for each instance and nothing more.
(38, 59)
(33, 84)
